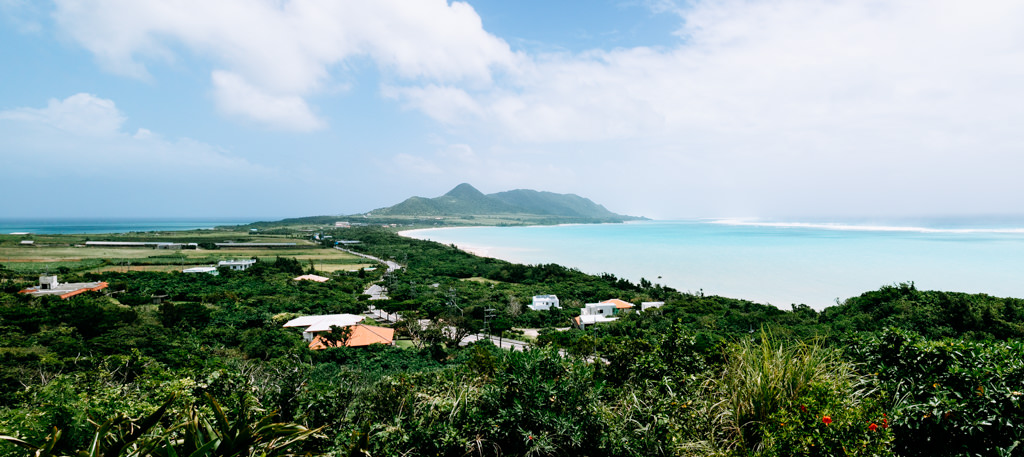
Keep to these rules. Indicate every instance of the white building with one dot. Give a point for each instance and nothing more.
(598, 309)
(49, 285)
(322, 323)
(544, 302)
(650, 304)
(238, 265)
(207, 270)
(606, 311)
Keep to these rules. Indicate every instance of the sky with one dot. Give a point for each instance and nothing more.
(777, 109)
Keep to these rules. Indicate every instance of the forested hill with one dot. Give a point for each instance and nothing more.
(465, 200)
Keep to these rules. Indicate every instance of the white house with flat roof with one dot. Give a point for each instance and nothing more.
(650, 304)
(598, 309)
(237, 265)
(544, 302)
(606, 311)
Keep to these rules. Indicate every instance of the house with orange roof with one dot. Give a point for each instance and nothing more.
(359, 335)
(606, 311)
(620, 305)
(49, 285)
(313, 328)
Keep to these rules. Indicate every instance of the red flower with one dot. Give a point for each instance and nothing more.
(872, 427)
(803, 409)
(885, 421)
(826, 420)
(530, 438)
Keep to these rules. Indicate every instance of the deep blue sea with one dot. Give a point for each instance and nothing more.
(771, 262)
(106, 225)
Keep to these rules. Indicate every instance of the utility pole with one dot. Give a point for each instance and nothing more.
(488, 315)
(453, 300)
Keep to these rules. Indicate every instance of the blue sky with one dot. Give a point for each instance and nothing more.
(283, 108)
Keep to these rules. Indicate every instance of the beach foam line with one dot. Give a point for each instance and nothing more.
(865, 228)
(479, 251)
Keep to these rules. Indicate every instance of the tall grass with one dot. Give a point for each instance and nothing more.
(766, 375)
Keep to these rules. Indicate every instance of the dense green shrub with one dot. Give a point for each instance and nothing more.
(951, 397)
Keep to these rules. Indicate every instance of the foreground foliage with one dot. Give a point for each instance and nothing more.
(897, 371)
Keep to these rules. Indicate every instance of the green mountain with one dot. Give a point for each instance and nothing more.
(466, 200)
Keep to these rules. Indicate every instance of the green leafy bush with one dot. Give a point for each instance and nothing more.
(955, 397)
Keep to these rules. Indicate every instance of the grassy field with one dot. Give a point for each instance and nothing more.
(123, 268)
(184, 236)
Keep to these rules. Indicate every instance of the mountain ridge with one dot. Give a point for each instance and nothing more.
(466, 200)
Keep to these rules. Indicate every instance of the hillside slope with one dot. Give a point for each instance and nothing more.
(466, 200)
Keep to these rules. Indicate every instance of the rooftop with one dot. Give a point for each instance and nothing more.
(619, 304)
(324, 322)
(66, 290)
(361, 335)
(316, 278)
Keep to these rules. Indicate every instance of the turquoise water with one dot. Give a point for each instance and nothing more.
(85, 225)
(780, 264)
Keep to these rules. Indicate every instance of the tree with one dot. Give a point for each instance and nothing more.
(337, 336)
(457, 328)
(515, 308)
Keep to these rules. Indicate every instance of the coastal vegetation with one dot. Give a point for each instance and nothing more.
(167, 363)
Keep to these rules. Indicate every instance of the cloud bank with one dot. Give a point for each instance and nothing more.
(750, 107)
(267, 57)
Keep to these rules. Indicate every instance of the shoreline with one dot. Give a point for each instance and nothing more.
(770, 262)
(479, 251)
(484, 251)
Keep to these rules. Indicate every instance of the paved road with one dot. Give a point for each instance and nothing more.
(382, 315)
(503, 343)
(392, 266)
(375, 291)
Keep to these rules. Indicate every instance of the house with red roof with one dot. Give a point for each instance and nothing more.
(49, 285)
(606, 311)
(315, 327)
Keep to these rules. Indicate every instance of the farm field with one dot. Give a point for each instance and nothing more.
(60, 252)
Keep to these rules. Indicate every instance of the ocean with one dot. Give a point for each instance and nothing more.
(778, 263)
(47, 226)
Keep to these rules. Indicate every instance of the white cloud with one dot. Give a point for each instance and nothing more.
(80, 113)
(288, 48)
(777, 66)
(876, 106)
(235, 96)
(449, 105)
(144, 134)
(757, 105)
